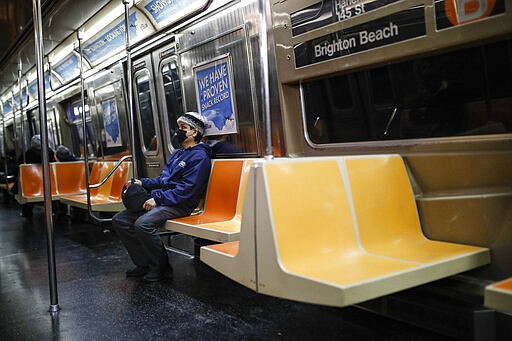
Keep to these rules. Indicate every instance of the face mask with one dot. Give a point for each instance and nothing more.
(178, 138)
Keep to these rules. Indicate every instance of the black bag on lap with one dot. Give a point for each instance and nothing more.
(134, 197)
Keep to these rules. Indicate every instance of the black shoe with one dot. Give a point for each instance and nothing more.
(156, 276)
(138, 271)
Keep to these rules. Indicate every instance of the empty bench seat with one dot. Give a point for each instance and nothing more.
(30, 182)
(107, 197)
(220, 220)
(66, 178)
(498, 296)
(337, 231)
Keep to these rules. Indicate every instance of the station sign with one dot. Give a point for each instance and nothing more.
(7, 107)
(112, 38)
(166, 12)
(16, 97)
(331, 11)
(68, 68)
(215, 96)
(384, 31)
(32, 88)
(451, 13)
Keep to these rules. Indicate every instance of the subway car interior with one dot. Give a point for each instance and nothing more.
(360, 169)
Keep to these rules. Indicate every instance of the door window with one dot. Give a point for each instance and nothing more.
(145, 109)
(173, 95)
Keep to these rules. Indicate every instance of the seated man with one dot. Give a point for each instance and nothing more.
(32, 155)
(175, 193)
(63, 154)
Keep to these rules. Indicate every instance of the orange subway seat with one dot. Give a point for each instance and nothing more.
(120, 177)
(222, 193)
(70, 177)
(31, 181)
(221, 218)
(498, 296)
(107, 197)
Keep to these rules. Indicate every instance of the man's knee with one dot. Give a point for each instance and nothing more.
(120, 221)
(145, 227)
(115, 220)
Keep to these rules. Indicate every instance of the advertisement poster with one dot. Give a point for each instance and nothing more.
(111, 119)
(215, 96)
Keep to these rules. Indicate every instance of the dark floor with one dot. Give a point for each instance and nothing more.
(98, 303)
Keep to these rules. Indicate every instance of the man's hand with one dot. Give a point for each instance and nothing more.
(136, 182)
(149, 204)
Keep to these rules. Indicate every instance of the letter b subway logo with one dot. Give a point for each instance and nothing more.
(463, 11)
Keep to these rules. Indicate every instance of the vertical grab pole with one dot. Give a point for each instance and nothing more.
(265, 87)
(20, 66)
(84, 132)
(4, 149)
(84, 118)
(39, 48)
(129, 81)
(15, 130)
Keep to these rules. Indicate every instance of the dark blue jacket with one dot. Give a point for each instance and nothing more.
(183, 179)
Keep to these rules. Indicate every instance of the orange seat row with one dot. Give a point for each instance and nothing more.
(220, 220)
(107, 197)
(67, 184)
(65, 178)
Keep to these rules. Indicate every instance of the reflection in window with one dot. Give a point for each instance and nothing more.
(173, 95)
(146, 112)
(74, 114)
(459, 93)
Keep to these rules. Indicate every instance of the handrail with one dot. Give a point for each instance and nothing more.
(88, 188)
(116, 166)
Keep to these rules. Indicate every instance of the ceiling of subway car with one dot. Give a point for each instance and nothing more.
(61, 19)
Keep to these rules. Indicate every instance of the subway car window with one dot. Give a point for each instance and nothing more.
(74, 115)
(454, 94)
(173, 94)
(146, 111)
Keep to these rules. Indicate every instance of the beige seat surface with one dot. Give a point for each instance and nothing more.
(498, 296)
(335, 231)
(312, 246)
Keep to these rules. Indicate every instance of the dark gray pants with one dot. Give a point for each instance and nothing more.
(139, 234)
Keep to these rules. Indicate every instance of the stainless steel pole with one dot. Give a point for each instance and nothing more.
(4, 149)
(15, 130)
(20, 66)
(84, 133)
(129, 87)
(54, 301)
(84, 118)
(265, 87)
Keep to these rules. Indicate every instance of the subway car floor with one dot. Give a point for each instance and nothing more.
(98, 302)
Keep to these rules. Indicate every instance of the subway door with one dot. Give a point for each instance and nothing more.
(149, 138)
(110, 108)
(170, 94)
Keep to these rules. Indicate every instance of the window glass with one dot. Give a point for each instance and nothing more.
(146, 112)
(454, 94)
(173, 95)
(74, 114)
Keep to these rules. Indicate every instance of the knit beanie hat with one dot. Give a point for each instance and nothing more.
(193, 119)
